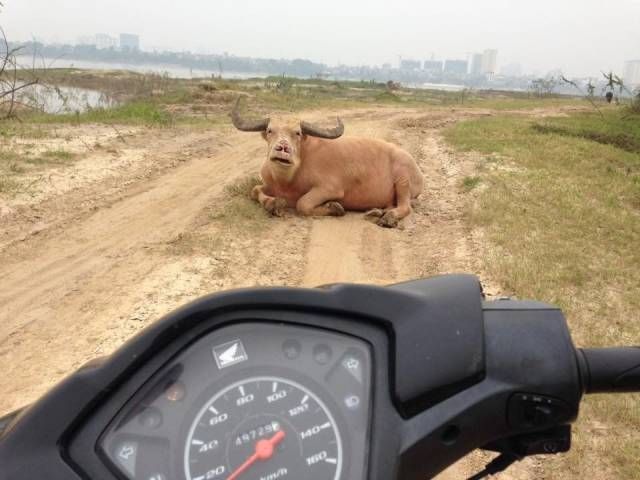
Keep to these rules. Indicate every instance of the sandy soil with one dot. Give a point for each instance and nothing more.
(88, 263)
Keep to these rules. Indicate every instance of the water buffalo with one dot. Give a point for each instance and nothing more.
(319, 172)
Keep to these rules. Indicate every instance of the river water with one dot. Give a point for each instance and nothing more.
(174, 71)
(66, 99)
(70, 100)
(63, 99)
(178, 71)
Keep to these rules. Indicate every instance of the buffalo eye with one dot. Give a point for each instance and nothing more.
(269, 130)
(299, 133)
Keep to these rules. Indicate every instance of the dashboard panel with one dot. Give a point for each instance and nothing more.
(271, 383)
(253, 401)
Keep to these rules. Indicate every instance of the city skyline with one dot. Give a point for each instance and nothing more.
(478, 67)
(478, 73)
(511, 68)
(581, 38)
(477, 63)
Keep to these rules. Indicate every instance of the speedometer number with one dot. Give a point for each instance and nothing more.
(318, 457)
(213, 473)
(315, 430)
(264, 428)
(298, 410)
(274, 397)
(207, 447)
(244, 400)
(223, 417)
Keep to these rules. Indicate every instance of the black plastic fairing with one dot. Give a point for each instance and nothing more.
(414, 329)
(529, 350)
(441, 353)
(7, 420)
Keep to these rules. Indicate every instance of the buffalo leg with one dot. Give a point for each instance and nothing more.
(274, 205)
(403, 204)
(320, 203)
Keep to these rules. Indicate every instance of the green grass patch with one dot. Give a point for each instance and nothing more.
(140, 112)
(59, 155)
(521, 101)
(470, 182)
(619, 131)
(561, 213)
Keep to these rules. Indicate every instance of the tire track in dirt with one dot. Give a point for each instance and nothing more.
(149, 217)
(349, 248)
(77, 292)
(57, 290)
(433, 240)
(335, 252)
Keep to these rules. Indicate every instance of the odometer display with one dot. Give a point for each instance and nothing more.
(264, 428)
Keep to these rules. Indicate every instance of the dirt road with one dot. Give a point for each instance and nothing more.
(84, 268)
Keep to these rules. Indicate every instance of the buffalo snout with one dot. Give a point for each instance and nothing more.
(283, 147)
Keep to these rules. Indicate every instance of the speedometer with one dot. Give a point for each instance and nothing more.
(255, 401)
(264, 428)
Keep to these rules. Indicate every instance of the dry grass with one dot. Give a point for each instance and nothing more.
(563, 219)
(8, 185)
(239, 211)
(195, 243)
(15, 164)
(157, 100)
(235, 216)
(242, 187)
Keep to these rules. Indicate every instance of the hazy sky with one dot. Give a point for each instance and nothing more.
(581, 37)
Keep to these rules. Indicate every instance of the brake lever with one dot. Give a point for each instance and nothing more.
(497, 465)
(547, 442)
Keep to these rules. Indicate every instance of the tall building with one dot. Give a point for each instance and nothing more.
(410, 64)
(129, 41)
(632, 73)
(86, 40)
(489, 62)
(432, 66)
(456, 66)
(105, 41)
(476, 64)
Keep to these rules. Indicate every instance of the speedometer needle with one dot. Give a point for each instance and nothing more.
(264, 451)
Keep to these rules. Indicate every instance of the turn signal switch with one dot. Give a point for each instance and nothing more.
(531, 411)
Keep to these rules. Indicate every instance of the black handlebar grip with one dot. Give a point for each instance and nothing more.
(610, 370)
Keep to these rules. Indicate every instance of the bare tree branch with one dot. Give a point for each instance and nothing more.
(589, 97)
(10, 83)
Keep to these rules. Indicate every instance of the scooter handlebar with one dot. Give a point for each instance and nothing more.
(610, 370)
